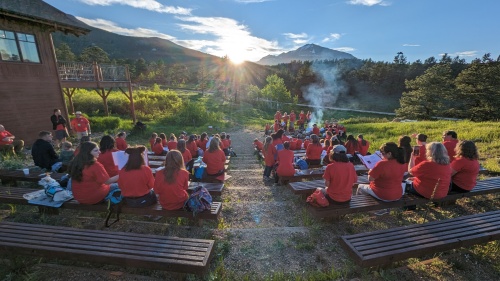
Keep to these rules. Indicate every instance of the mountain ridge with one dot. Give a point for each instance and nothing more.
(308, 52)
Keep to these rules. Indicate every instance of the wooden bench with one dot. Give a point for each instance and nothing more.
(125, 249)
(215, 188)
(14, 195)
(13, 176)
(315, 173)
(308, 187)
(364, 203)
(389, 245)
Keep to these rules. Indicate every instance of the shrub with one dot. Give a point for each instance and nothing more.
(103, 124)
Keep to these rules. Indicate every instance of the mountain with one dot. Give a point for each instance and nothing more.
(309, 52)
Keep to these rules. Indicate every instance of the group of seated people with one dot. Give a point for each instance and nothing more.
(194, 144)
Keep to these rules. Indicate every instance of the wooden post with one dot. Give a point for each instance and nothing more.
(101, 92)
(69, 93)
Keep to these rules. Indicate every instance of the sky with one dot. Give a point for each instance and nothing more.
(251, 29)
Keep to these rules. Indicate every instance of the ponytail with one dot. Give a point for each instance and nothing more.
(400, 155)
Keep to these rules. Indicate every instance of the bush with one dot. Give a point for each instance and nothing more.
(103, 124)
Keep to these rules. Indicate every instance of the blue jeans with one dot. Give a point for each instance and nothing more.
(267, 171)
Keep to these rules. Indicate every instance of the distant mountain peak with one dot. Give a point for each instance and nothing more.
(308, 52)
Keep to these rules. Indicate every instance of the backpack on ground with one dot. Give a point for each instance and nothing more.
(114, 202)
(302, 164)
(199, 201)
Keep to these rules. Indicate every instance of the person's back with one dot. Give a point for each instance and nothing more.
(388, 175)
(341, 176)
(285, 166)
(43, 152)
(106, 159)
(465, 168)
(171, 183)
(136, 182)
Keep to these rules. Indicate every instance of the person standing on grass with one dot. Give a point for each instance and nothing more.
(450, 141)
(291, 127)
(465, 168)
(339, 176)
(80, 125)
(59, 126)
(270, 153)
(171, 183)
(136, 180)
(107, 147)
(90, 181)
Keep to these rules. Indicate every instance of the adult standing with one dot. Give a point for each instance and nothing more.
(450, 141)
(59, 126)
(8, 143)
(291, 127)
(43, 152)
(80, 125)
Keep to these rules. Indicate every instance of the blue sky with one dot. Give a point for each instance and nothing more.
(252, 29)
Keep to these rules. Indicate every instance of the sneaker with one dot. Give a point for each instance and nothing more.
(382, 212)
(266, 178)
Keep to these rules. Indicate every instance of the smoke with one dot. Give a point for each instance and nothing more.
(324, 92)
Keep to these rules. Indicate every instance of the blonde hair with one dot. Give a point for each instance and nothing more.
(436, 152)
(173, 164)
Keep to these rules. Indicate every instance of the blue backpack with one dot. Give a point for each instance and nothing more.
(199, 201)
(113, 200)
(302, 164)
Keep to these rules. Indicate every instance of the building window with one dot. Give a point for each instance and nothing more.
(15, 46)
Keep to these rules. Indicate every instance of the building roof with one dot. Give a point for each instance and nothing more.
(43, 13)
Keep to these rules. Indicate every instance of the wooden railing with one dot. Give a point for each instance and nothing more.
(81, 71)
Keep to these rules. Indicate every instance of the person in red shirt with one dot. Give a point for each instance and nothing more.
(191, 146)
(270, 154)
(258, 144)
(421, 141)
(152, 140)
(339, 176)
(285, 162)
(313, 151)
(163, 139)
(387, 175)
(351, 145)
(224, 144)
(276, 126)
(277, 116)
(291, 127)
(158, 148)
(80, 125)
(172, 142)
(465, 168)
(136, 180)
(328, 135)
(431, 178)
(363, 145)
(89, 180)
(107, 147)
(186, 154)
(214, 158)
(307, 141)
(285, 118)
(315, 129)
(8, 143)
(267, 129)
(59, 126)
(450, 141)
(202, 142)
(121, 143)
(171, 183)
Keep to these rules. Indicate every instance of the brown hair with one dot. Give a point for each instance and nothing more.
(181, 145)
(173, 164)
(467, 149)
(135, 159)
(214, 144)
(82, 159)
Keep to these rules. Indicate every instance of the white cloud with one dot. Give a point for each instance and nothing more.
(298, 39)
(113, 27)
(369, 2)
(150, 5)
(411, 45)
(345, 49)
(252, 1)
(463, 54)
(332, 37)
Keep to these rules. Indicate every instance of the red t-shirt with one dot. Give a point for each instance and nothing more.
(269, 155)
(306, 144)
(421, 155)
(80, 124)
(315, 131)
(3, 135)
(136, 183)
(277, 116)
(186, 155)
(388, 175)
(351, 148)
(158, 149)
(450, 147)
(202, 144)
(106, 159)
(363, 149)
(172, 196)
(92, 189)
(215, 161)
(121, 144)
(342, 177)
(285, 118)
(276, 127)
(426, 175)
(292, 117)
(172, 145)
(467, 171)
(152, 142)
(164, 142)
(226, 143)
(285, 166)
(276, 142)
(192, 147)
(313, 152)
(259, 145)
(285, 138)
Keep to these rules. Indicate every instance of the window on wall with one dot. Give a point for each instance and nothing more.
(16, 46)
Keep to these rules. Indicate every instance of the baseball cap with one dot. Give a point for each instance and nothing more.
(339, 149)
(78, 113)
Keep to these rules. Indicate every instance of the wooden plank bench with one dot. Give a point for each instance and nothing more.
(215, 188)
(308, 187)
(13, 176)
(389, 245)
(316, 173)
(125, 249)
(364, 203)
(14, 195)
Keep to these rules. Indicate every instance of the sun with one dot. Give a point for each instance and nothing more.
(236, 54)
(237, 58)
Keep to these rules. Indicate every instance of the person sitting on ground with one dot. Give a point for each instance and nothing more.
(67, 154)
(107, 147)
(270, 154)
(171, 183)
(363, 145)
(339, 176)
(172, 142)
(89, 180)
(186, 154)
(450, 141)
(313, 151)
(152, 140)
(191, 146)
(136, 180)
(214, 158)
(44, 154)
(163, 139)
(8, 143)
(405, 143)
(158, 148)
(431, 178)
(285, 162)
(351, 145)
(121, 143)
(386, 176)
(465, 168)
(421, 142)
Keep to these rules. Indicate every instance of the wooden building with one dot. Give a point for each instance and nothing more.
(30, 88)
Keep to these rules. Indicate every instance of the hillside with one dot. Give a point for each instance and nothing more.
(309, 52)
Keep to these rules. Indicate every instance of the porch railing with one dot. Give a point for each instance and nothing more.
(81, 71)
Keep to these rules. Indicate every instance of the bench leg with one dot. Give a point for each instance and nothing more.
(44, 210)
